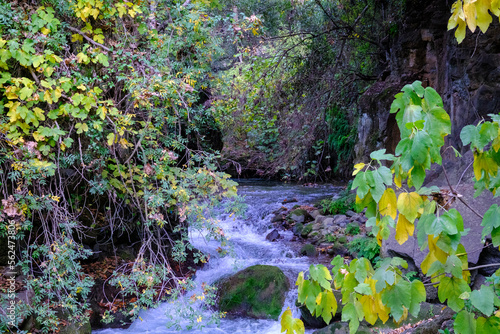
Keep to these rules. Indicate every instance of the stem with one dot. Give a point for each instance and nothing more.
(89, 39)
(468, 269)
(460, 198)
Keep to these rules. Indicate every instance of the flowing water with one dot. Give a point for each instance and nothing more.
(250, 248)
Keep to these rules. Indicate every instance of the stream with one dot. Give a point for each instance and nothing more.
(248, 237)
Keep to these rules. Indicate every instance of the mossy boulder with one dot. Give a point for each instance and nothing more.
(257, 291)
(308, 250)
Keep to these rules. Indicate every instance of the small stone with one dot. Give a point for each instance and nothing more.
(298, 218)
(315, 214)
(350, 213)
(273, 236)
(328, 222)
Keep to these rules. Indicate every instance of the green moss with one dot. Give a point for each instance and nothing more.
(298, 212)
(308, 250)
(257, 291)
(306, 230)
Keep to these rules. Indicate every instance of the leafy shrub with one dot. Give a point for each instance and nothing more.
(352, 229)
(365, 247)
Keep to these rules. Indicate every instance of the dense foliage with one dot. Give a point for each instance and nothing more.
(105, 140)
(291, 108)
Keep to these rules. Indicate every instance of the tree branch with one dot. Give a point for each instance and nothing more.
(89, 39)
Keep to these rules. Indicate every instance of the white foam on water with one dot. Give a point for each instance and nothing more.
(247, 236)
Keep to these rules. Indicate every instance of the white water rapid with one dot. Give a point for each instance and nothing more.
(250, 248)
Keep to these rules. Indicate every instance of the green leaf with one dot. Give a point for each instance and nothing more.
(489, 325)
(417, 176)
(321, 274)
(25, 92)
(483, 299)
(450, 288)
(465, 323)
(350, 314)
(432, 98)
(398, 297)
(363, 289)
(453, 265)
(289, 325)
(491, 219)
(103, 59)
(380, 155)
(418, 295)
(420, 148)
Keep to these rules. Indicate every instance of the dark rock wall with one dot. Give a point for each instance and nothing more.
(467, 76)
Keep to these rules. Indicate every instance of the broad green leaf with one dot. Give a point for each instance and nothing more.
(432, 98)
(420, 147)
(289, 325)
(350, 314)
(418, 296)
(417, 176)
(465, 323)
(381, 155)
(435, 254)
(321, 274)
(25, 92)
(482, 299)
(361, 185)
(410, 205)
(450, 288)
(491, 220)
(398, 297)
(453, 265)
(490, 325)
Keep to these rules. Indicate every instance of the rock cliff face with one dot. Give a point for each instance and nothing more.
(467, 76)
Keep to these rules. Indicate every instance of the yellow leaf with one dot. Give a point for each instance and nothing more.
(357, 168)
(388, 203)
(45, 31)
(82, 87)
(39, 113)
(411, 205)
(495, 7)
(403, 229)
(435, 254)
(470, 15)
(484, 18)
(76, 37)
(460, 32)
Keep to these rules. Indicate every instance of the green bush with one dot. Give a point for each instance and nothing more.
(365, 247)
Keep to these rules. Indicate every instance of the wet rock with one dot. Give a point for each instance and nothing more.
(350, 213)
(278, 218)
(311, 321)
(342, 328)
(298, 215)
(273, 235)
(297, 229)
(257, 291)
(289, 200)
(308, 250)
(489, 255)
(328, 222)
(315, 214)
(297, 218)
